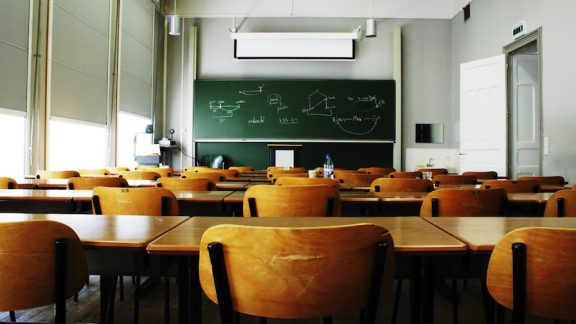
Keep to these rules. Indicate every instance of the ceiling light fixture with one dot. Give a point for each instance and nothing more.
(174, 23)
(370, 30)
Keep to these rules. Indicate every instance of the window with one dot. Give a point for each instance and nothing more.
(12, 143)
(128, 126)
(76, 145)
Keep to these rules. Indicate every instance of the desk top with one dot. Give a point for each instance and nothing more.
(482, 233)
(126, 232)
(411, 234)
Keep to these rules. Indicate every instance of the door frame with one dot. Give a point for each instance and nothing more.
(534, 36)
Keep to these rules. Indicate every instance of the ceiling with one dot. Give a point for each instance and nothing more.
(436, 9)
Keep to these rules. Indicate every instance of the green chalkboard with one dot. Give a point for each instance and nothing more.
(295, 109)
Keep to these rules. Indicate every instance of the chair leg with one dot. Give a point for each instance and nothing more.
(121, 287)
(455, 301)
(396, 300)
(167, 300)
(12, 316)
(137, 300)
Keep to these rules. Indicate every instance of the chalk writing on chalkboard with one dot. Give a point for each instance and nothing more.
(275, 100)
(221, 110)
(319, 104)
(252, 92)
(357, 125)
(367, 103)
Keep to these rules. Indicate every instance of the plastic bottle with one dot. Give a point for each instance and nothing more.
(328, 167)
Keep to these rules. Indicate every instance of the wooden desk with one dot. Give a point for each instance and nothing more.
(62, 183)
(482, 233)
(113, 244)
(414, 239)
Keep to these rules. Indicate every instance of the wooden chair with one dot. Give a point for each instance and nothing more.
(512, 185)
(376, 170)
(445, 179)
(296, 272)
(356, 179)
(163, 172)
(298, 181)
(43, 174)
(458, 202)
(93, 172)
(146, 167)
(91, 183)
(280, 201)
(531, 271)
(194, 168)
(546, 180)
(117, 170)
(435, 171)
(405, 174)
(134, 201)
(198, 184)
(43, 263)
(277, 176)
(561, 204)
(270, 174)
(8, 183)
(214, 176)
(401, 185)
(242, 168)
(483, 175)
(149, 201)
(139, 175)
(228, 173)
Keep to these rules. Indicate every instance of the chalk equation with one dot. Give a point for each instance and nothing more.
(222, 111)
(357, 125)
(252, 92)
(367, 103)
(275, 101)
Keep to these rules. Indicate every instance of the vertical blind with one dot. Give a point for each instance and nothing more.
(14, 24)
(137, 57)
(80, 60)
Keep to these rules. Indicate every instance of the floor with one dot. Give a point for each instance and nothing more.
(87, 310)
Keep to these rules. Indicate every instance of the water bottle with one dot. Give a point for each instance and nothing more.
(328, 167)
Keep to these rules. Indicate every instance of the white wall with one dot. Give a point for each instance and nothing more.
(490, 29)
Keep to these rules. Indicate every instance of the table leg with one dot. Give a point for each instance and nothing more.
(415, 290)
(429, 278)
(107, 293)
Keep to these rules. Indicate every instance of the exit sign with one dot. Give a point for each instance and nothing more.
(519, 29)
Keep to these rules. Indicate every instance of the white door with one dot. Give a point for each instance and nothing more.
(524, 116)
(483, 115)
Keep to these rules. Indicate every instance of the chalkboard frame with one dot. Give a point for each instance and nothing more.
(211, 93)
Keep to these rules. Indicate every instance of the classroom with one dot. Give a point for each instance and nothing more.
(460, 94)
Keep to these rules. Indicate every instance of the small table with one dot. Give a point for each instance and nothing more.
(414, 238)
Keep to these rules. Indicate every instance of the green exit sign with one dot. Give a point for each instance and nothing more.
(519, 29)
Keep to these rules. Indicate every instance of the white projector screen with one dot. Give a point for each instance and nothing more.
(294, 49)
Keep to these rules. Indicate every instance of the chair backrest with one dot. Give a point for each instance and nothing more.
(150, 201)
(8, 183)
(90, 183)
(546, 286)
(93, 172)
(277, 176)
(561, 204)
(67, 174)
(546, 180)
(445, 179)
(242, 168)
(377, 170)
(464, 202)
(214, 176)
(163, 172)
(228, 173)
(512, 185)
(139, 175)
(30, 256)
(298, 181)
(270, 174)
(194, 168)
(146, 167)
(355, 179)
(435, 171)
(279, 201)
(296, 272)
(401, 185)
(117, 170)
(483, 175)
(405, 174)
(199, 184)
